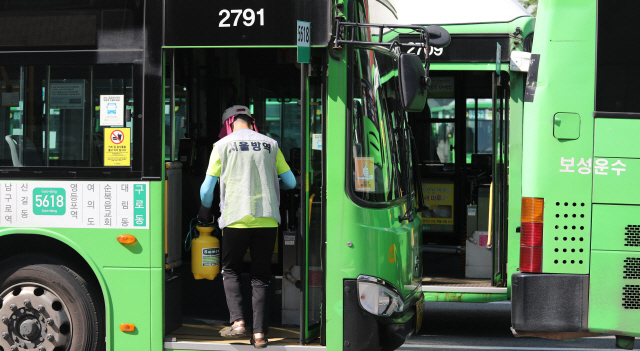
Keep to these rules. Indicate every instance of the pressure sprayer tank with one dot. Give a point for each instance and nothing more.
(205, 254)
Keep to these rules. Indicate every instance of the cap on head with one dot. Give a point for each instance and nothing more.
(234, 111)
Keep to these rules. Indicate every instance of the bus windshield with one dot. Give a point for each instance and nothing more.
(377, 139)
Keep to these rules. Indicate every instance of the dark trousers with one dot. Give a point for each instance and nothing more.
(235, 242)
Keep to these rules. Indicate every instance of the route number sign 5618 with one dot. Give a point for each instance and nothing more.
(49, 201)
(303, 33)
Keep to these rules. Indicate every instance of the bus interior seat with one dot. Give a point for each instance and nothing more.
(98, 142)
(25, 147)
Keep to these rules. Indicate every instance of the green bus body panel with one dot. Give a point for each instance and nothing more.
(609, 291)
(448, 66)
(525, 23)
(157, 309)
(130, 304)
(566, 241)
(621, 225)
(126, 273)
(463, 297)
(617, 189)
(567, 53)
(518, 81)
(616, 138)
(335, 143)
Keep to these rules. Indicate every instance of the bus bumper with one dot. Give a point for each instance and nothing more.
(364, 331)
(549, 302)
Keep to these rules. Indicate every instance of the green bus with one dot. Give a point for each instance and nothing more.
(109, 114)
(469, 139)
(579, 247)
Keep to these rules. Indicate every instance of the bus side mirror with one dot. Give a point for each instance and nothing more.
(413, 83)
(438, 36)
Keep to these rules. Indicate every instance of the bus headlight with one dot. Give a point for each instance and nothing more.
(378, 297)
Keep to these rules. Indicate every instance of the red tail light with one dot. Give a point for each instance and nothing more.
(531, 259)
(531, 235)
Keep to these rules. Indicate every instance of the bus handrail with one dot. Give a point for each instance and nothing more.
(341, 26)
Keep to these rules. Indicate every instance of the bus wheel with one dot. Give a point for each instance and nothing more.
(47, 306)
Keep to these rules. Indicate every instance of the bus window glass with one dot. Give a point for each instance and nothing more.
(175, 121)
(73, 24)
(67, 133)
(479, 131)
(180, 120)
(50, 115)
(617, 72)
(377, 139)
(484, 130)
(282, 123)
(442, 108)
(110, 80)
(471, 128)
(442, 133)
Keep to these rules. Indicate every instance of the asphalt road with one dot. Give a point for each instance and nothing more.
(470, 326)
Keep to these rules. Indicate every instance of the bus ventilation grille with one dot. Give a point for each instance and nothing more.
(632, 268)
(632, 235)
(631, 297)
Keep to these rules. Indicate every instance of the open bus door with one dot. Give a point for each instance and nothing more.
(311, 247)
(463, 133)
(285, 99)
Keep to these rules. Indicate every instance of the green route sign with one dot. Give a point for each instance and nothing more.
(303, 33)
(49, 201)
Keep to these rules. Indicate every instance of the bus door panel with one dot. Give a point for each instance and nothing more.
(439, 148)
(312, 193)
(499, 188)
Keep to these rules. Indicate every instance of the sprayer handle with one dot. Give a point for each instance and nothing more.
(204, 215)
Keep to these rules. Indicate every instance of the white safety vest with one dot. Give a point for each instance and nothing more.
(248, 177)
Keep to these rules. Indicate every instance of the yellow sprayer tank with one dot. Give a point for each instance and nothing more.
(205, 254)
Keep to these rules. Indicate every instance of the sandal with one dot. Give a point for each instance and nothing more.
(259, 343)
(233, 332)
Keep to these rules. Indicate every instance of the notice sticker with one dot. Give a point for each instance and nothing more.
(111, 110)
(66, 96)
(365, 175)
(117, 147)
(438, 197)
(11, 99)
(316, 141)
(483, 239)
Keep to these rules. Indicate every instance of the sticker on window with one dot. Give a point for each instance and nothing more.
(117, 147)
(365, 175)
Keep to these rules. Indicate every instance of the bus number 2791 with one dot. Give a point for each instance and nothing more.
(248, 15)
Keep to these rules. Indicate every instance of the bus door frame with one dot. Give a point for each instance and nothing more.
(309, 333)
(500, 95)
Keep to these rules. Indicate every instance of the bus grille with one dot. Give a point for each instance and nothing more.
(632, 235)
(631, 297)
(632, 268)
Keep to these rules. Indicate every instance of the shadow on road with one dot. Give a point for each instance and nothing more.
(467, 319)
(474, 326)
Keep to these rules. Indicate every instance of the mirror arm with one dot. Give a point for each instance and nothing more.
(407, 147)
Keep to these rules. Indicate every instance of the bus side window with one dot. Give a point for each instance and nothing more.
(50, 115)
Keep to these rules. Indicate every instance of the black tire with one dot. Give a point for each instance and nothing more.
(83, 301)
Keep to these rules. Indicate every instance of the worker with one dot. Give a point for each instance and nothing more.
(248, 165)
